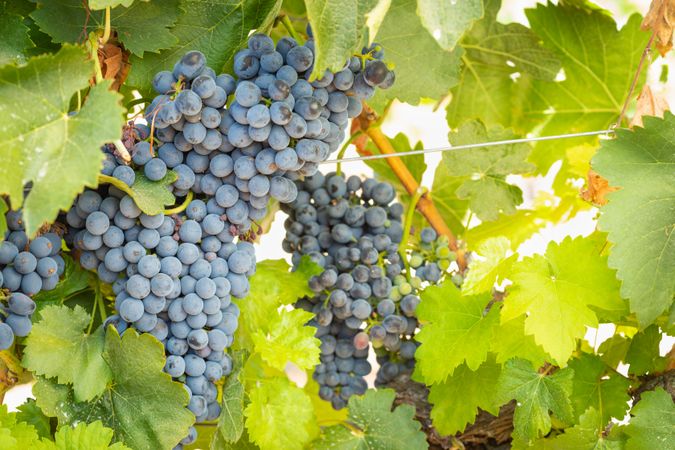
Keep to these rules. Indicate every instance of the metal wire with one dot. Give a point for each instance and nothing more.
(467, 146)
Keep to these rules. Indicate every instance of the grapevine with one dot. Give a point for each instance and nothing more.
(508, 284)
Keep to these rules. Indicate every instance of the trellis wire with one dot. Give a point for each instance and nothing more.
(468, 146)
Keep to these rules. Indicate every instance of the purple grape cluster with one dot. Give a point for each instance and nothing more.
(27, 267)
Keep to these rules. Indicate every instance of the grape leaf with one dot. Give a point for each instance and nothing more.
(585, 435)
(31, 413)
(447, 22)
(639, 216)
(144, 407)
(150, 196)
(323, 411)
(217, 28)
(42, 143)
(287, 339)
(3, 220)
(102, 4)
(557, 290)
(423, 68)
(537, 394)
(142, 26)
(487, 189)
(58, 337)
(15, 38)
(16, 435)
(377, 426)
(338, 29)
(598, 387)
(598, 63)
(86, 436)
(517, 227)
(268, 421)
(231, 420)
(514, 343)
(613, 350)
(455, 329)
(444, 193)
(271, 286)
(477, 389)
(653, 422)
(488, 265)
(498, 67)
(643, 352)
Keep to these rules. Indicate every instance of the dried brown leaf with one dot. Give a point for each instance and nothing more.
(649, 104)
(661, 19)
(114, 63)
(597, 188)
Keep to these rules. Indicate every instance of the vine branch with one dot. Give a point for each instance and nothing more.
(368, 121)
(645, 53)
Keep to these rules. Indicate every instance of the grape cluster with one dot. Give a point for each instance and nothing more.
(277, 127)
(432, 258)
(352, 228)
(26, 268)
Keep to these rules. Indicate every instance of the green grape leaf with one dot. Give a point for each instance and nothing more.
(517, 227)
(598, 387)
(613, 350)
(323, 411)
(639, 216)
(271, 286)
(142, 26)
(643, 352)
(338, 29)
(15, 38)
(447, 22)
(231, 420)
(31, 413)
(477, 389)
(557, 291)
(653, 423)
(423, 68)
(150, 196)
(3, 220)
(514, 343)
(103, 4)
(382, 170)
(74, 279)
(444, 193)
(217, 28)
(498, 67)
(59, 153)
(488, 265)
(16, 435)
(144, 407)
(376, 426)
(86, 436)
(58, 347)
(455, 329)
(586, 435)
(287, 339)
(598, 63)
(487, 189)
(268, 421)
(537, 394)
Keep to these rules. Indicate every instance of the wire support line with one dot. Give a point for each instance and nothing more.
(468, 146)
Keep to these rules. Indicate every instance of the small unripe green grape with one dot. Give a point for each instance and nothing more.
(399, 279)
(442, 241)
(452, 256)
(395, 295)
(442, 252)
(376, 343)
(416, 260)
(405, 288)
(457, 279)
(444, 264)
(425, 246)
(416, 282)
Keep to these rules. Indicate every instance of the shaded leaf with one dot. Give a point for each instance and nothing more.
(653, 422)
(447, 21)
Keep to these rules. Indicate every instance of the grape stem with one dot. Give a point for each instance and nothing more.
(407, 226)
(119, 184)
(180, 208)
(106, 31)
(286, 22)
(369, 122)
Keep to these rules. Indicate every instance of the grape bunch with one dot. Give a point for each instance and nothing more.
(352, 228)
(432, 258)
(26, 268)
(276, 128)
